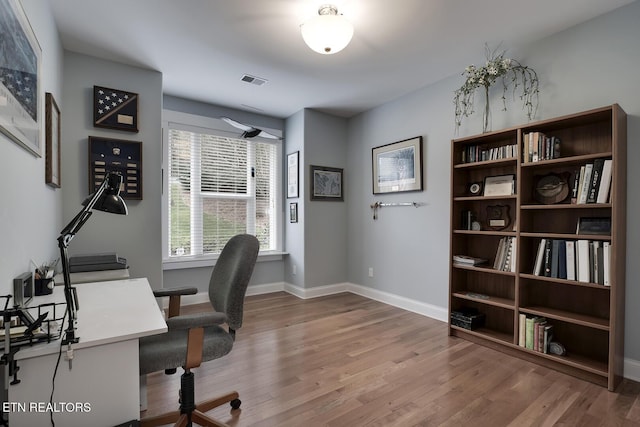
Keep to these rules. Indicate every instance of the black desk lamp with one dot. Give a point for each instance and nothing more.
(107, 199)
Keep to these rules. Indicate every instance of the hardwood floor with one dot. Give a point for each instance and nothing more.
(344, 360)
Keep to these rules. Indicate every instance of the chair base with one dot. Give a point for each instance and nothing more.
(198, 416)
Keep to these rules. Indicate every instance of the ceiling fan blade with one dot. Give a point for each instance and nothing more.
(238, 125)
(265, 134)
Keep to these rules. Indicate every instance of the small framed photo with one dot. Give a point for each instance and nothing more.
(115, 109)
(292, 175)
(500, 185)
(397, 167)
(116, 155)
(293, 212)
(327, 183)
(52, 139)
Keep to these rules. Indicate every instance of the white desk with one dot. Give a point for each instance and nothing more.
(103, 386)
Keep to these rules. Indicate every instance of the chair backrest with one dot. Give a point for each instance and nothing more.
(231, 275)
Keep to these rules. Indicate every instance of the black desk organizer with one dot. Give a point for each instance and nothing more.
(39, 329)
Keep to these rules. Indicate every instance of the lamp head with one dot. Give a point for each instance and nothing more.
(110, 200)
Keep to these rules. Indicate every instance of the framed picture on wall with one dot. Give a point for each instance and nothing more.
(292, 175)
(293, 212)
(116, 155)
(397, 167)
(52, 141)
(115, 109)
(327, 183)
(20, 69)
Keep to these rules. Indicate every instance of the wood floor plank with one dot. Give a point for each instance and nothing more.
(347, 361)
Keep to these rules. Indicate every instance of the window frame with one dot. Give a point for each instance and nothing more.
(196, 123)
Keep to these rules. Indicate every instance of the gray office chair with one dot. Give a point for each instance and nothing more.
(192, 339)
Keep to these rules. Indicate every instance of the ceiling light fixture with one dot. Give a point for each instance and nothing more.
(327, 33)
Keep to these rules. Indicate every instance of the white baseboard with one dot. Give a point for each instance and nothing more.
(631, 369)
(429, 310)
(315, 292)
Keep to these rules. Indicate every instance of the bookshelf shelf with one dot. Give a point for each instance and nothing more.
(566, 316)
(490, 300)
(566, 206)
(584, 316)
(564, 281)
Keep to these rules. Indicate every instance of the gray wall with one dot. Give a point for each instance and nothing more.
(591, 65)
(135, 236)
(294, 233)
(325, 225)
(31, 211)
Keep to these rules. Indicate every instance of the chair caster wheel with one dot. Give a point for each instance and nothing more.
(235, 403)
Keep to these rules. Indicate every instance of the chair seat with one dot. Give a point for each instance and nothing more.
(159, 352)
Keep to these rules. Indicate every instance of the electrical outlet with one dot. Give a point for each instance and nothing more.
(370, 271)
(294, 270)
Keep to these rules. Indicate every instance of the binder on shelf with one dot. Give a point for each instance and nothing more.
(606, 263)
(537, 268)
(605, 182)
(582, 264)
(584, 184)
(571, 259)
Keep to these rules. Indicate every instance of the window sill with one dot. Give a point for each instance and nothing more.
(210, 261)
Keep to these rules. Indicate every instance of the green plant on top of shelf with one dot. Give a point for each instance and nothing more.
(510, 71)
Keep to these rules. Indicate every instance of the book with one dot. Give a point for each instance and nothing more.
(522, 318)
(605, 182)
(562, 259)
(548, 336)
(528, 337)
(594, 225)
(499, 254)
(556, 147)
(606, 263)
(599, 259)
(537, 267)
(580, 182)
(571, 260)
(582, 260)
(596, 175)
(576, 185)
(584, 184)
(595, 264)
(555, 252)
(546, 266)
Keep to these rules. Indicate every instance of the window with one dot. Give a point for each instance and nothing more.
(219, 186)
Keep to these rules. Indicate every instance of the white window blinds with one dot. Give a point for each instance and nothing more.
(219, 187)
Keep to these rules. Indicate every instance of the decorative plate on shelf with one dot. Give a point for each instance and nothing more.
(551, 189)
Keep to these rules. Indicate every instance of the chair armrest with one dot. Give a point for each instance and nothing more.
(187, 290)
(197, 320)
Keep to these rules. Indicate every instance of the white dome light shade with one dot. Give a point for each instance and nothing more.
(328, 32)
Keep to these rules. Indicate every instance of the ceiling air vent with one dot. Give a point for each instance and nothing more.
(253, 80)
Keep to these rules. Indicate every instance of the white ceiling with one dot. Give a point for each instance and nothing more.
(204, 47)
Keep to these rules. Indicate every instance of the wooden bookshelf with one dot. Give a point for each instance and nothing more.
(587, 316)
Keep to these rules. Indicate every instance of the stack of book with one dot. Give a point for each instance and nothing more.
(587, 261)
(537, 146)
(505, 259)
(592, 182)
(534, 333)
(468, 260)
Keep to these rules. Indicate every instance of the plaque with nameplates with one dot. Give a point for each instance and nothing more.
(116, 155)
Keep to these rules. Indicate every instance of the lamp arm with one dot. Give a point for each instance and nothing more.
(66, 235)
